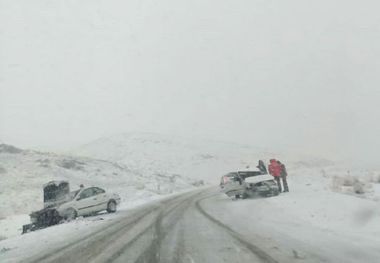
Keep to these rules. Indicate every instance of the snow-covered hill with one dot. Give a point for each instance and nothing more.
(156, 154)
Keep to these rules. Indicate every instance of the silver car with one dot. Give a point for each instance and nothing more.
(88, 201)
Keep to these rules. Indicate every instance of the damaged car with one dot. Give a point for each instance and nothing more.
(244, 184)
(61, 204)
(88, 201)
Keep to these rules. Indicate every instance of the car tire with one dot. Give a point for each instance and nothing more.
(55, 218)
(111, 206)
(71, 214)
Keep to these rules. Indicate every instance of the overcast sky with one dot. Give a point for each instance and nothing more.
(291, 74)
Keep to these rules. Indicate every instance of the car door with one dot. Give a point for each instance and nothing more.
(86, 202)
(102, 198)
(234, 185)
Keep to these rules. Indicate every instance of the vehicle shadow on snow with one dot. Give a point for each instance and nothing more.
(103, 215)
(251, 197)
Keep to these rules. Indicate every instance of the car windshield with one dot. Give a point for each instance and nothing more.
(73, 194)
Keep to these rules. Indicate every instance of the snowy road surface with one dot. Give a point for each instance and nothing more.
(198, 226)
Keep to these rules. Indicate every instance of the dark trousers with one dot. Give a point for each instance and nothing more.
(277, 178)
(284, 182)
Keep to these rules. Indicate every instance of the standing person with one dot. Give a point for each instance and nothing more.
(275, 170)
(261, 167)
(283, 176)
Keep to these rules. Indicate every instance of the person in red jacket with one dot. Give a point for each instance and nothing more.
(274, 169)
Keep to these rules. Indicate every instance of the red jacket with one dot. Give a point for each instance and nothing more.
(274, 168)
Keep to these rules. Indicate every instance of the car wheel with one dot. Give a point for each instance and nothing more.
(111, 207)
(55, 218)
(71, 214)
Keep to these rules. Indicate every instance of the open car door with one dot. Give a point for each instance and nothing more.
(234, 186)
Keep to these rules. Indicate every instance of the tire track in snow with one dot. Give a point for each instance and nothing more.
(152, 253)
(91, 245)
(253, 248)
(62, 254)
(153, 231)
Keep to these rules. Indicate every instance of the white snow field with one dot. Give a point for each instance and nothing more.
(331, 213)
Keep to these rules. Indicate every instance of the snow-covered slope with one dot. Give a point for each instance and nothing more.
(163, 154)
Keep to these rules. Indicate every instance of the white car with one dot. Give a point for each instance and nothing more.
(88, 201)
(245, 184)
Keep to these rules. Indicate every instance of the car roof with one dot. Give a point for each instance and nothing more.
(91, 187)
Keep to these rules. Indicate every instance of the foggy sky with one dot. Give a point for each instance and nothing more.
(296, 75)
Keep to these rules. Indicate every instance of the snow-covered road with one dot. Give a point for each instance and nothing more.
(197, 226)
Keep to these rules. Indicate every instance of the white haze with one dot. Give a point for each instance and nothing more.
(295, 75)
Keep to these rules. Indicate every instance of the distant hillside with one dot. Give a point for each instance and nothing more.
(156, 154)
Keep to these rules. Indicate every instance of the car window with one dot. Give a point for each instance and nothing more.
(73, 194)
(87, 193)
(98, 190)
